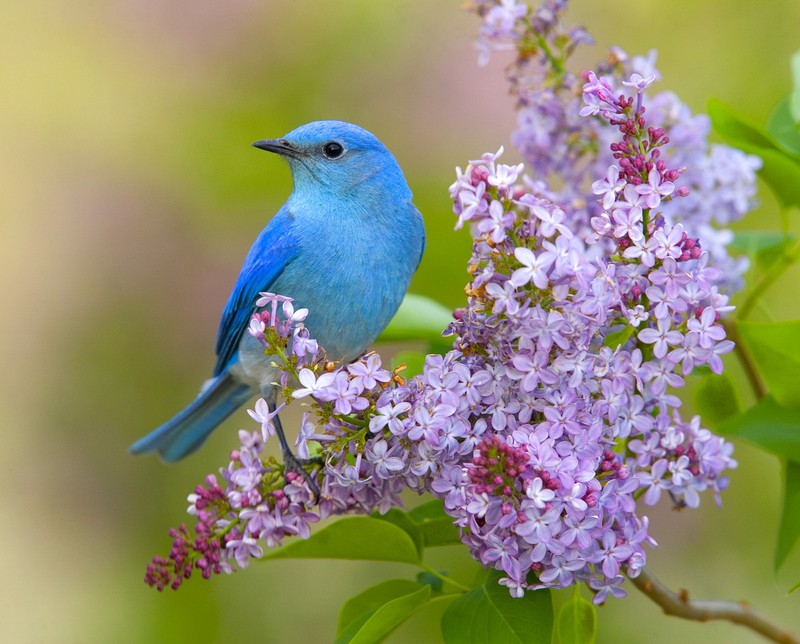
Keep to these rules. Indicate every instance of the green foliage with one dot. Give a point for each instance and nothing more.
(364, 538)
(419, 318)
(482, 612)
(577, 620)
(794, 97)
(716, 399)
(372, 598)
(413, 360)
(766, 247)
(430, 579)
(618, 338)
(780, 170)
(489, 614)
(789, 529)
(435, 525)
(783, 128)
(405, 523)
(373, 614)
(773, 422)
(733, 128)
(770, 426)
(775, 349)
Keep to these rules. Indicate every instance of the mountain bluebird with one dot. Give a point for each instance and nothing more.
(344, 246)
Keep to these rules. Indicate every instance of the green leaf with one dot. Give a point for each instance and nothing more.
(716, 400)
(413, 360)
(794, 99)
(441, 532)
(402, 521)
(768, 425)
(436, 525)
(780, 170)
(429, 579)
(358, 538)
(577, 621)
(490, 614)
(781, 173)
(369, 600)
(753, 242)
(789, 530)
(430, 511)
(618, 338)
(733, 129)
(373, 626)
(767, 258)
(775, 349)
(783, 128)
(419, 318)
(766, 247)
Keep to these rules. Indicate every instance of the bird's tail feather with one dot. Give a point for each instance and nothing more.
(188, 430)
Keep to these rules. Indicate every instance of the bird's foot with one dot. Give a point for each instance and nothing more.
(292, 463)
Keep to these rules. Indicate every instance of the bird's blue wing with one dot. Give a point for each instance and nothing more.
(273, 249)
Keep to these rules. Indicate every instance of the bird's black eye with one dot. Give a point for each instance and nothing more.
(333, 150)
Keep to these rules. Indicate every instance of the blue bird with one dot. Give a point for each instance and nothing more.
(344, 246)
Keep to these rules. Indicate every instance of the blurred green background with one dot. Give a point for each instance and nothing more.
(130, 196)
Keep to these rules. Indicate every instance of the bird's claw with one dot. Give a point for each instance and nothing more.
(298, 465)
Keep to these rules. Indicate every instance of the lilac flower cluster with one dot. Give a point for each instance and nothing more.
(261, 502)
(555, 411)
(575, 347)
(562, 149)
(587, 310)
(203, 552)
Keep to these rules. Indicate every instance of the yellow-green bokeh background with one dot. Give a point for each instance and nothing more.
(129, 198)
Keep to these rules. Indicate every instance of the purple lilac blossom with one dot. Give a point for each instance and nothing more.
(554, 411)
(565, 150)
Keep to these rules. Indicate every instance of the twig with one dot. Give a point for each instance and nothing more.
(679, 605)
(746, 361)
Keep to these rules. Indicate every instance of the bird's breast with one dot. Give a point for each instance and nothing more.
(351, 290)
(351, 272)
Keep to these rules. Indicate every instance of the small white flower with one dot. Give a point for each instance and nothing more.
(312, 384)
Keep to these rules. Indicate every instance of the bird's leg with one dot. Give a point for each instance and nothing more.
(290, 461)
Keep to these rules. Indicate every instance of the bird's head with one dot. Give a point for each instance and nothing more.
(338, 157)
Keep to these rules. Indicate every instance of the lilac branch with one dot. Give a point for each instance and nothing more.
(786, 261)
(679, 605)
(746, 361)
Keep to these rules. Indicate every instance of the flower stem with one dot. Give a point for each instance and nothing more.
(355, 421)
(227, 529)
(555, 61)
(444, 578)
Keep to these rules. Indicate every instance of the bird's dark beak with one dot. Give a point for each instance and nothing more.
(278, 146)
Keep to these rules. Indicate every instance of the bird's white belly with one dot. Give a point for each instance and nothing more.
(254, 367)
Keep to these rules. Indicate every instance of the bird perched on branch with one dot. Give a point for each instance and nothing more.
(344, 246)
